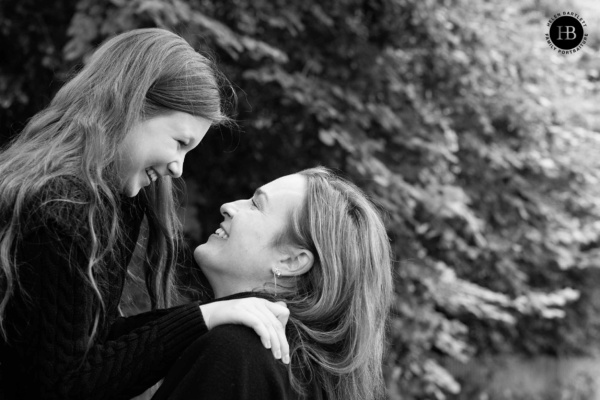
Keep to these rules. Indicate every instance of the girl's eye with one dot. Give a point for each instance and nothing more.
(254, 204)
(181, 142)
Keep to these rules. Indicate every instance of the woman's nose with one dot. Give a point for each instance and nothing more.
(228, 210)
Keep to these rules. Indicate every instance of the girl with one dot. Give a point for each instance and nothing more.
(314, 241)
(75, 187)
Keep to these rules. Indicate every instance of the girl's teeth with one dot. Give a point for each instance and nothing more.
(152, 174)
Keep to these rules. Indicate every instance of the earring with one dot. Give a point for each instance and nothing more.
(276, 274)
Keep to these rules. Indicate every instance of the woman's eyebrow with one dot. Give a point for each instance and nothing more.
(259, 192)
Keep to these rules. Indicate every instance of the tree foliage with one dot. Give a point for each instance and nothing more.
(436, 109)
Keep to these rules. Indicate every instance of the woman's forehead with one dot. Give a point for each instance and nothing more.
(285, 193)
(290, 184)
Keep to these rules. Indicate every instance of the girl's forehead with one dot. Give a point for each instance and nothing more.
(177, 122)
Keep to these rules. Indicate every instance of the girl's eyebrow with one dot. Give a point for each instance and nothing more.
(187, 134)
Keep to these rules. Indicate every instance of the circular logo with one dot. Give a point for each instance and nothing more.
(566, 33)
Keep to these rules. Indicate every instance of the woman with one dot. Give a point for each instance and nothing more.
(316, 242)
(76, 186)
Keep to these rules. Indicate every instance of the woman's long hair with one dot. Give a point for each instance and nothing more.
(131, 77)
(338, 310)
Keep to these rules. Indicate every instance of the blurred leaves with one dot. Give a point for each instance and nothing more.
(440, 111)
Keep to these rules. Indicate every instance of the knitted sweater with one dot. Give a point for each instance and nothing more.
(230, 363)
(50, 320)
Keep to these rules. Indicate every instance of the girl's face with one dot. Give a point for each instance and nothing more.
(240, 255)
(157, 147)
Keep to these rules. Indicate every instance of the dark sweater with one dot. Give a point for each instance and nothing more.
(228, 363)
(46, 356)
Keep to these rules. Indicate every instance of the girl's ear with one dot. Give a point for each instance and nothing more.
(295, 261)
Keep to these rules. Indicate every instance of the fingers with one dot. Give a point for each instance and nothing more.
(279, 344)
(273, 337)
(254, 321)
(267, 319)
(280, 303)
(282, 314)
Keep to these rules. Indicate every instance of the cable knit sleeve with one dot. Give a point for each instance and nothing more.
(228, 363)
(52, 317)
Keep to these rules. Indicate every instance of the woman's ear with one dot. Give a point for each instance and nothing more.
(295, 261)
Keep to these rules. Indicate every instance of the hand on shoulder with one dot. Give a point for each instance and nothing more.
(266, 318)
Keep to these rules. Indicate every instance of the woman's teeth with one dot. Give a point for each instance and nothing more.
(151, 174)
(221, 233)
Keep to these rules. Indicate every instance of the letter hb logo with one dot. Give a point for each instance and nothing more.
(566, 32)
(569, 31)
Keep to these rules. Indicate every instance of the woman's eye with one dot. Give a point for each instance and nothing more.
(254, 204)
(182, 143)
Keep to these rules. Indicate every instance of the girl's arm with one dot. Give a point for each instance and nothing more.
(52, 325)
(53, 322)
(266, 318)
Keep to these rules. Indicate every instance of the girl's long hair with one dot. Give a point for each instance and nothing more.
(338, 310)
(131, 77)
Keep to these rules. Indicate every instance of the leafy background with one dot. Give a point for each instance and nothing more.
(478, 141)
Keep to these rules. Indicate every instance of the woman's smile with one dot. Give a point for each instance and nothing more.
(245, 259)
(221, 233)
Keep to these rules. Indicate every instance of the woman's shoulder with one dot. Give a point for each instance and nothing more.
(237, 351)
(239, 339)
(228, 362)
(241, 345)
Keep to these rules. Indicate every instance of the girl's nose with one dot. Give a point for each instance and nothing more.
(175, 169)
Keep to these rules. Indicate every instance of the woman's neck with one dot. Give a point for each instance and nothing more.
(228, 287)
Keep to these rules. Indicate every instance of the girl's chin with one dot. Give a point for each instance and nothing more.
(132, 191)
(130, 188)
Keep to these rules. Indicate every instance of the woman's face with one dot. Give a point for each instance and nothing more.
(157, 147)
(240, 255)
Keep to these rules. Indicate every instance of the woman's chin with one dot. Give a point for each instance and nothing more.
(197, 251)
(200, 255)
